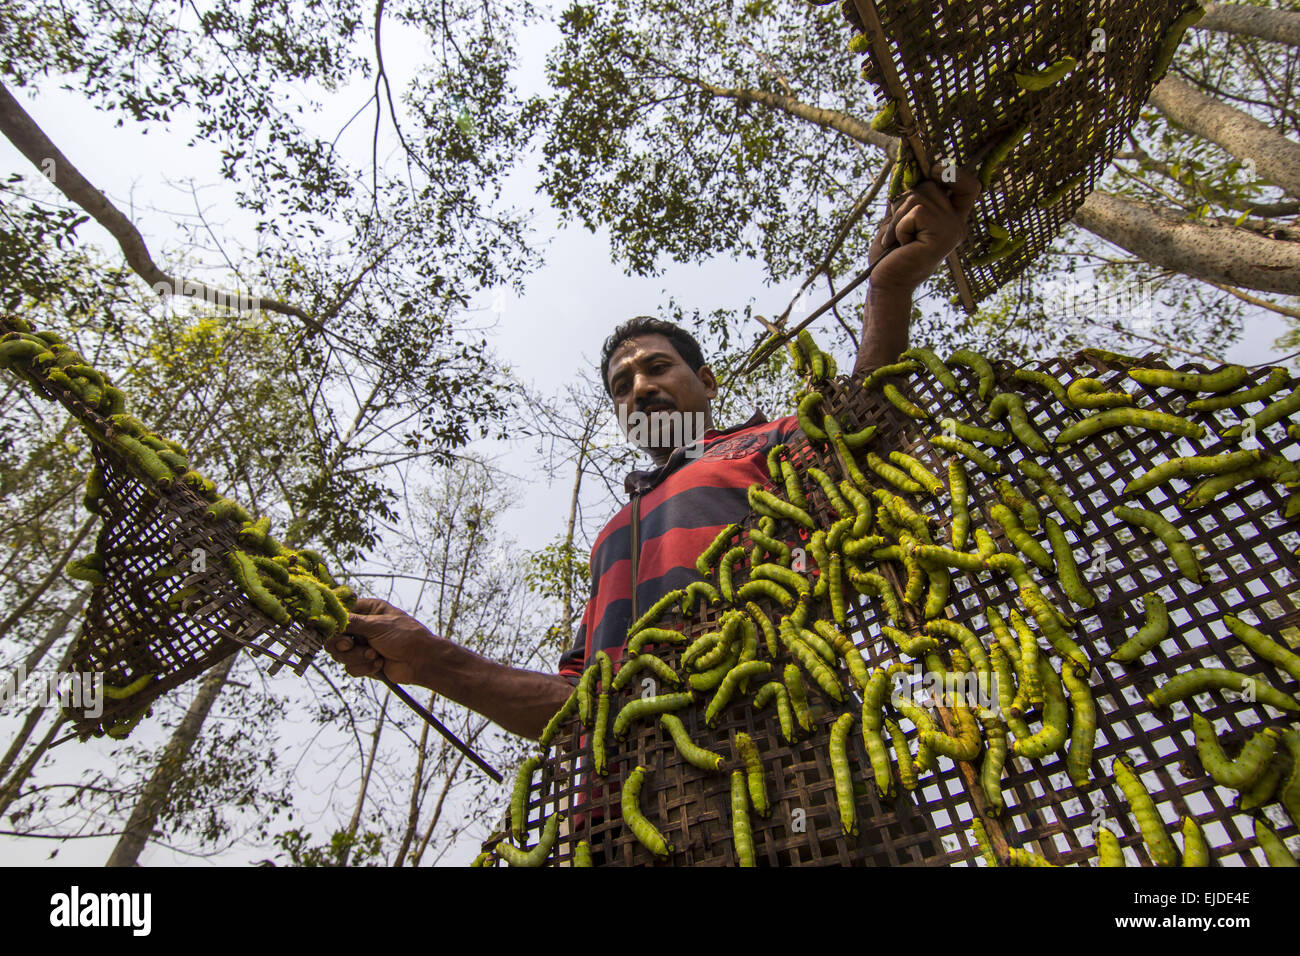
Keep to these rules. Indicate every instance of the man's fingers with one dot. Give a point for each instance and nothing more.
(370, 606)
(368, 626)
(963, 193)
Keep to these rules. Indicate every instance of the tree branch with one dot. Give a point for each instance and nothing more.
(1280, 26)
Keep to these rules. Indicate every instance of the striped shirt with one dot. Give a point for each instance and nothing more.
(683, 506)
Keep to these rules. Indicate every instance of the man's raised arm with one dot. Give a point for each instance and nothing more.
(519, 701)
(929, 221)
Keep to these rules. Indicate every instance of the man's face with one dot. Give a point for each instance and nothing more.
(648, 376)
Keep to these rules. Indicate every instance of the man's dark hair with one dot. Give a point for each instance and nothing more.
(682, 341)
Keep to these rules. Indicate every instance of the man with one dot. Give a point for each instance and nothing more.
(653, 370)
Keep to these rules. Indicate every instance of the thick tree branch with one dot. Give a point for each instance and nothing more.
(1280, 26)
(1230, 256)
(30, 140)
(1276, 158)
(850, 126)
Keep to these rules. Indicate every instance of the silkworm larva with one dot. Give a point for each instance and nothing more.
(965, 745)
(630, 806)
(1048, 382)
(1192, 465)
(704, 563)
(1090, 393)
(1169, 535)
(1109, 852)
(858, 439)
(727, 689)
(1021, 538)
(1264, 647)
(1056, 714)
(599, 734)
(1083, 727)
(699, 590)
(1043, 478)
(1011, 406)
(519, 799)
(691, 752)
(767, 503)
(775, 691)
(979, 365)
(585, 690)
(863, 547)
(1263, 787)
(1052, 626)
(958, 489)
(1067, 571)
(936, 594)
(1202, 679)
(816, 667)
(713, 677)
(861, 504)
(905, 367)
(1223, 380)
(967, 450)
(843, 777)
(919, 473)
(982, 841)
(654, 635)
(1160, 846)
(1172, 39)
(1278, 379)
(1290, 792)
(871, 582)
(1132, 418)
(765, 625)
(807, 408)
(130, 690)
(582, 854)
(246, 576)
(644, 707)
(798, 696)
(741, 832)
(835, 584)
(791, 580)
(86, 569)
(970, 645)
(904, 404)
(773, 466)
(641, 662)
(567, 710)
(1026, 646)
(1213, 488)
(748, 752)
(147, 459)
(227, 508)
(486, 858)
(768, 589)
(904, 513)
(1155, 630)
(725, 567)
(997, 157)
(995, 756)
(1196, 849)
(985, 436)
(895, 476)
(831, 492)
(936, 367)
(538, 854)
(1275, 850)
(773, 546)
(794, 492)
(1250, 763)
(1004, 680)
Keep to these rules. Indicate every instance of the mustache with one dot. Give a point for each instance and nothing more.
(643, 405)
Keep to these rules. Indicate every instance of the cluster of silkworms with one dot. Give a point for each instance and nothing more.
(285, 584)
(781, 622)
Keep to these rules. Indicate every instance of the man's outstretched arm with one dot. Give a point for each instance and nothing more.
(927, 222)
(519, 701)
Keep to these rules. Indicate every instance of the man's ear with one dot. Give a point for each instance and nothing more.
(710, 382)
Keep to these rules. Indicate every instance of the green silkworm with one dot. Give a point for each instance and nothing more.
(936, 367)
(871, 582)
(1170, 42)
(1083, 727)
(774, 469)
(861, 522)
(982, 841)
(970, 644)
(245, 574)
(798, 696)
(831, 492)
(1009, 405)
(847, 464)
(727, 689)
(1152, 632)
(998, 155)
(713, 677)
(998, 251)
(567, 710)
(484, 859)
(1196, 849)
(811, 662)
(968, 451)
(985, 436)
(858, 439)
(599, 734)
(843, 777)
(906, 515)
(630, 806)
(89, 568)
(130, 690)
(904, 404)
(995, 756)
(725, 568)
(748, 753)
(741, 832)
(226, 508)
(768, 589)
(1043, 478)
(1133, 418)
(1192, 465)
(765, 502)
(765, 626)
(958, 490)
(977, 363)
(1022, 539)
(654, 635)
(883, 120)
(1004, 679)
(644, 707)
(1013, 499)
(774, 547)
(1067, 570)
(907, 771)
(1202, 679)
(1263, 646)
(792, 580)
(863, 547)
(933, 554)
(839, 609)
(894, 475)
(1056, 715)
(1169, 535)
(919, 473)
(1044, 380)
(1109, 853)
(913, 646)
(1290, 792)
(147, 460)
(1026, 647)
(1255, 756)
(965, 745)
(19, 350)
(1035, 80)
(906, 367)
(519, 798)
(1278, 379)
(1224, 380)
(642, 662)
(698, 590)
(1263, 787)
(1159, 845)
(1052, 625)
(691, 752)
(794, 492)
(776, 691)
(1214, 487)
(1090, 393)
(1275, 850)
(704, 563)
(808, 406)
(586, 687)
(582, 854)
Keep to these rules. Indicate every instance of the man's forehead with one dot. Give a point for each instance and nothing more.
(645, 346)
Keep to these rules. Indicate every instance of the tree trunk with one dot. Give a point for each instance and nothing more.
(11, 788)
(1276, 158)
(52, 634)
(54, 573)
(417, 790)
(1236, 257)
(365, 780)
(140, 825)
(1280, 26)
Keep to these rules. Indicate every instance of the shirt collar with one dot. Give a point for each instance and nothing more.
(640, 482)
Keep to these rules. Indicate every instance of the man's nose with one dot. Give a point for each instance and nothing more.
(644, 388)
